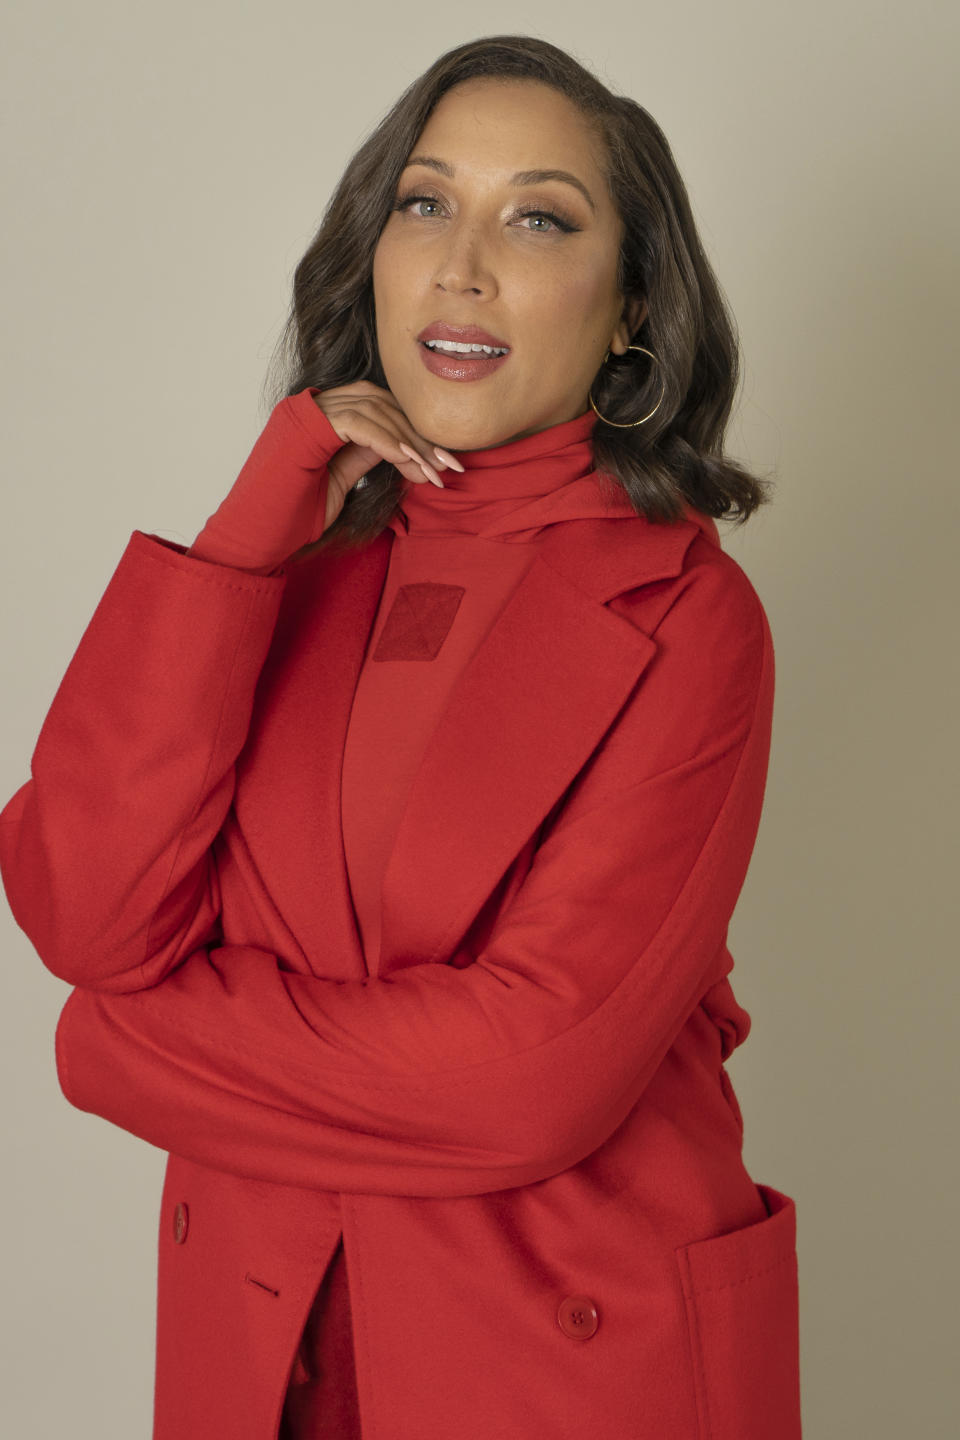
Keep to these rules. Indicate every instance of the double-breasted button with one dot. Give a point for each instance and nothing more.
(577, 1317)
(181, 1220)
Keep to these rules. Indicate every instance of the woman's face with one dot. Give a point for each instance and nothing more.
(482, 251)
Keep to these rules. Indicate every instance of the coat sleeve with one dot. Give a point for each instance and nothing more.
(502, 1068)
(105, 852)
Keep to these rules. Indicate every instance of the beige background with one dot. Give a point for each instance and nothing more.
(164, 168)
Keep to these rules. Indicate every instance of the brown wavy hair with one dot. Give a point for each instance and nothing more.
(329, 337)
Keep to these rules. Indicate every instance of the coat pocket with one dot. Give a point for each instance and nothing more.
(741, 1299)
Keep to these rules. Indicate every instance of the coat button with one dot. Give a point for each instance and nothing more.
(577, 1317)
(181, 1220)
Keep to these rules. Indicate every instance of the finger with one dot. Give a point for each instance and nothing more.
(427, 454)
(446, 458)
(369, 434)
(382, 409)
(427, 468)
(430, 454)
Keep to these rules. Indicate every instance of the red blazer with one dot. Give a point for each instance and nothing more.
(522, 1122)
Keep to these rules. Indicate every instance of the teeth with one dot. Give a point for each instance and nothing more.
(456, 348)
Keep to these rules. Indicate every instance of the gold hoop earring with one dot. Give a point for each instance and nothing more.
(629, 425)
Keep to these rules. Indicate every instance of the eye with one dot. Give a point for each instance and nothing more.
(408, 200)
(555, 220)
(558, 222)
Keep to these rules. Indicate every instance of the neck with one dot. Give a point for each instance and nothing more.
(514, 489)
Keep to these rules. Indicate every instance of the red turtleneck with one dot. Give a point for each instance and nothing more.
(456, 557)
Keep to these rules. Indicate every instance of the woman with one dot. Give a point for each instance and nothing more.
(390, 833)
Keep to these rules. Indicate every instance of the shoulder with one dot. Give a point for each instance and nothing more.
(708, 606)
(711, 676)
(707, 683)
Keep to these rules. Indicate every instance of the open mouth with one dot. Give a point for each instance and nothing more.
(461, 362)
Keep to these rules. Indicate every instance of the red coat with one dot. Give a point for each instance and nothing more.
(522, 1122)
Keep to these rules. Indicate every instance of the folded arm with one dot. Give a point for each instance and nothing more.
(442, 1080)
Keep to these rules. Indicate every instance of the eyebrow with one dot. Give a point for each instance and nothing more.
(522, 177)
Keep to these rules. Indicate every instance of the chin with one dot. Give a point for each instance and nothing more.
(462, 437)
(442, 425)
(458, 438)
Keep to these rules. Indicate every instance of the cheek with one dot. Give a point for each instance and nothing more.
(381, 289)
(565, 317)
(394, 292)
(386, 269)
(591, 300)
(565, 299)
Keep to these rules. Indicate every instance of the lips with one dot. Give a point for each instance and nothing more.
(464, 334)
(449, 366)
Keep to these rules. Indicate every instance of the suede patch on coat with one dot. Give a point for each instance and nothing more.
(419, 621)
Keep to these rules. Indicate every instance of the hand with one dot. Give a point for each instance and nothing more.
(369, 418)
(296, 478)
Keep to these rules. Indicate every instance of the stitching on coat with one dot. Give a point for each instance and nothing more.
(694, 1347)
(246, 589)
(789, 1259)
(362, 1308)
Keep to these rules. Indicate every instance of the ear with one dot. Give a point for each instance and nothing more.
(633, 316)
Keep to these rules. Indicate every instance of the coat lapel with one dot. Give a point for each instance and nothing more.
(522, 719)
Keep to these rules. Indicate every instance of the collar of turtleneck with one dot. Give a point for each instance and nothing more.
(511, 491)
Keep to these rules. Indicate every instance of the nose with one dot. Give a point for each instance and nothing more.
(462, 266)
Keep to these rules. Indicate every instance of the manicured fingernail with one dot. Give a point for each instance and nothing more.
(427, 469)
(447, 458)
(430, 473)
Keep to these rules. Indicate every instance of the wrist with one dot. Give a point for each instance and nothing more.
(317, 440)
